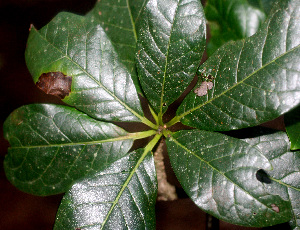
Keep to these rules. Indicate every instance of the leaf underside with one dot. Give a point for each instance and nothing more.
(121, 197)
(219, 174)
(101, 85)
(255, 80)
(52, 146)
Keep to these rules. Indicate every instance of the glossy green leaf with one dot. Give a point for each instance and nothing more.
(101, 85)
(265, 5)
(219, 174)
(52, 146)
(292, 125)
(119, 18)
(121, 197)
(284, 179)
(255, 80)
(231, 20)
(171, 40)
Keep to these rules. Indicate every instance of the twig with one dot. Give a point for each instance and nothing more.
(166, 191)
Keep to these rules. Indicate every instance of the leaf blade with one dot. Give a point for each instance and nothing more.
(219, 174)
(292, 125)
(52, 146)
(119, 18)
(231, 20)
(77, 47)
(171, 40)
(253, 81)
(130, 205)
(284, 180)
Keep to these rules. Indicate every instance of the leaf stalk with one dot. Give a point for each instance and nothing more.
(173, 121)
(147, 149)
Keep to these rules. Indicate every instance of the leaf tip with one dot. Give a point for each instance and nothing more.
(30, 27)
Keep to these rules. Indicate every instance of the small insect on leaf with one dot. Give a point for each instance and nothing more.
(55, 83)
(202, 90)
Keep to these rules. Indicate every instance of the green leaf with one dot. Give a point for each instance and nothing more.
(118, 18)
(52, 146)
(219, 174)
(231, 20)
(284, 179)
(255, 80)
(292, 125)
(171, 40)
(101, 85)
(265, 5)
(121, 197)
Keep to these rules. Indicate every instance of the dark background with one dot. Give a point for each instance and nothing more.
(23, 211)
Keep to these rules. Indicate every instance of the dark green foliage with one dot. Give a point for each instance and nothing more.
(231, 20)
(154, 47)
(292, 123)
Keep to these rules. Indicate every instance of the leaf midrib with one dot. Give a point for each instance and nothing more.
(166, 63)
(284, 184)
(88, 74)
(187, 150)
(129, 136)
(147, 149)
(230, 88)
(132, 20)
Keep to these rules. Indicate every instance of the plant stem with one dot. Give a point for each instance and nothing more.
(159, 117)
(147, 149)
(148, 123)
(153, 142)
(141, 135)
(154, 115)
(173, 121)
(165, 190)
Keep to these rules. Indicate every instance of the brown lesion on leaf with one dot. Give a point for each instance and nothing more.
(275, 208)
(55, 83)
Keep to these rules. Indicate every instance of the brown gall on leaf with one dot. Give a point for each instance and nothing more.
(55, 83)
